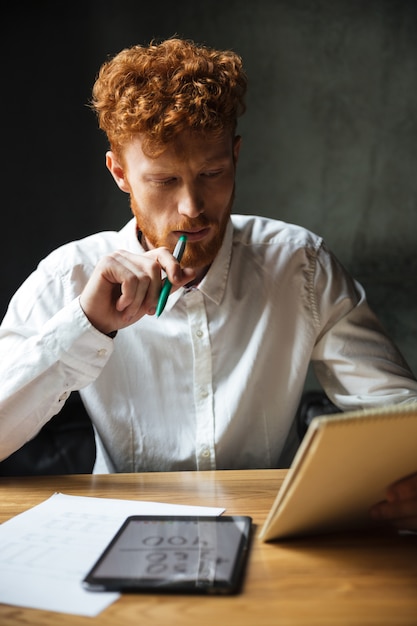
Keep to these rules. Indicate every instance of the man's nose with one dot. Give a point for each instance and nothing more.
(190, 202)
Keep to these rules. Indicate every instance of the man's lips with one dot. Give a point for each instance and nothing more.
(194, 235)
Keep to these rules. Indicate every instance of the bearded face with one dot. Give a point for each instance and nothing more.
(199, 253)
(187, 189)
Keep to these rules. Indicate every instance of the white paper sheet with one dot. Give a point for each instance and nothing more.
(46, 551)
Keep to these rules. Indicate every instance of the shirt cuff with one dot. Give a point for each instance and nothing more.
(76, 342)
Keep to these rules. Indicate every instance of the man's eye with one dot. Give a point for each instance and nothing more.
(212, 173)
(163, 182)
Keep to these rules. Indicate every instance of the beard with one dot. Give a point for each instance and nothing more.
(197, 254)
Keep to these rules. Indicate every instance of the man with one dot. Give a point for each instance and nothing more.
(215, 381)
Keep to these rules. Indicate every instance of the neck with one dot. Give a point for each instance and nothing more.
(200, 273)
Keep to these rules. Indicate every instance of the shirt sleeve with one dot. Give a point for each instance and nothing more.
(354, 359)
(48, 348)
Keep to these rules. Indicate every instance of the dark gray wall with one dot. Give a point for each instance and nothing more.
(330, 135)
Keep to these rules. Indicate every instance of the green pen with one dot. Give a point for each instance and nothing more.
(166, 289)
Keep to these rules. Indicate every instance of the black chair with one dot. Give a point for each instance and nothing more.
(65, 445)
(313, 404)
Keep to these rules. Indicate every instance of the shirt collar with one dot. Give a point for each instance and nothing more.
(130, 230)
(213, 285)
(214, 282)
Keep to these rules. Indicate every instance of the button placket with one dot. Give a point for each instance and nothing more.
(202, 375)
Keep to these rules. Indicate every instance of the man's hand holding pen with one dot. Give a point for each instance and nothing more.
(125, 286)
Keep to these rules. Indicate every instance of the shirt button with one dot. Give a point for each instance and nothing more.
(199, 333)
(63, 396)
(102, 352)
(206, 452)
(204, 393)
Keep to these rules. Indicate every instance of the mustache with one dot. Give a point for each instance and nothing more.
(189, 224)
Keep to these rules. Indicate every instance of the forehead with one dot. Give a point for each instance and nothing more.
(187, 148)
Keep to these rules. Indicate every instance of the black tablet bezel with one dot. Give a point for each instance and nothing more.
(230, 586)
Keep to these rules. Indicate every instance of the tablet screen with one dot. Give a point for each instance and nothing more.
(174, 553)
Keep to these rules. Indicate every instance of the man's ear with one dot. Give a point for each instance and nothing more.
(116, 169)
(237, 142)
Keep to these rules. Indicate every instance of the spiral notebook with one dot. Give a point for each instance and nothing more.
(341, 468)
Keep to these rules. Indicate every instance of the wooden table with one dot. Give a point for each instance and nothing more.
(345, 579)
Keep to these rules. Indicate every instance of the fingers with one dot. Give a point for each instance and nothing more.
(404, 489)
(109, 292)
(144, 286)
(125, 286)
(400, 510)
(175, 274)
(140, 283)
(401, 515)
(400, 507)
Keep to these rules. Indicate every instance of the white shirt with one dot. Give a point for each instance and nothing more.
(215, 381)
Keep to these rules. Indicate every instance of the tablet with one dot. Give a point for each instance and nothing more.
(183, 554)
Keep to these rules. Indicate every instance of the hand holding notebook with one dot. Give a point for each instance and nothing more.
(343, 467)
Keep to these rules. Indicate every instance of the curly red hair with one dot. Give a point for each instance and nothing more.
(163, 89)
